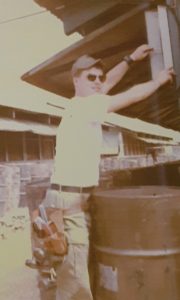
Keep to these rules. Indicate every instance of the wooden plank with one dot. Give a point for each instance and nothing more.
(154, 40)
(165, 37)
(173, 19)
(75, 14)
(24, 146)
(81, 12)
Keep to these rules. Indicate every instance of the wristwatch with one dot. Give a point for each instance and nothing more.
(128, 60)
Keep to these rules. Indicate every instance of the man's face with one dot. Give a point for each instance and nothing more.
(89, 82)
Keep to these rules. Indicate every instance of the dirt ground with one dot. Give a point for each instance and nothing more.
(17, 282)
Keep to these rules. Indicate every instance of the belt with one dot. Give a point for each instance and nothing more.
(71, 189)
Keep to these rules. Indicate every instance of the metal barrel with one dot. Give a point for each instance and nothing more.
(136, 238)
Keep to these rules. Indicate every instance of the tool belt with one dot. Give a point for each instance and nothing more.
(56, 243)
(50, 229)
(48, 221)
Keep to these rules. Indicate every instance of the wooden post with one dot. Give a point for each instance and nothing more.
(165, 37)
(154, 40)
(24, 146)
(173, 19)
(121, 145)
(40, 148)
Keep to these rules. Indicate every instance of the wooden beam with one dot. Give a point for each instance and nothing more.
(170, 35)
(39, 146)
(154, 40)
(77, 13)
(165, 37)
(72, 52)
(81, 12)
(173, 19)
(24, 146)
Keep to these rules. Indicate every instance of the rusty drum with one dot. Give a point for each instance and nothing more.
(136, 238)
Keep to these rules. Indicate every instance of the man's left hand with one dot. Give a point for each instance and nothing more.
(141, 52)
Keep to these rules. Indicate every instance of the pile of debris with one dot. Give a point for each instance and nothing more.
(13, 220)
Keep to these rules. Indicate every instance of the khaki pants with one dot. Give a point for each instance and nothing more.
(72, 275)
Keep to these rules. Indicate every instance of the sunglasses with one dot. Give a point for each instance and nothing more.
(92, 77)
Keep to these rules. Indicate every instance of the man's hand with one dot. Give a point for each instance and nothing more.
(141, 52)
(165, 76)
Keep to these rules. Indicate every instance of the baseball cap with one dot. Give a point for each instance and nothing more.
(84, 62)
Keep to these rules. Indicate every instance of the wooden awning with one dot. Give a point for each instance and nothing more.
(111, 42)
(86, 16)
(25, 126)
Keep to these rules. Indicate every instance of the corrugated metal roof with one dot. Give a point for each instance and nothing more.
(123, 122)
(158, 142)
(57, 108)
(35, 106)
(127, 123)
(137, 125)
(22, 126)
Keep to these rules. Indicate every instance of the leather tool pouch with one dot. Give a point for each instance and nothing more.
(54, 239)
(56, 244)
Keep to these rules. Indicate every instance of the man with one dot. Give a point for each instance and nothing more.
(77, 158)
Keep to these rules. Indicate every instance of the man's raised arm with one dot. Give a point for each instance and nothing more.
(140, 92)
(116, 74)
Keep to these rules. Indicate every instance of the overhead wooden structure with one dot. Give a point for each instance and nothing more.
(110, 30)
(86, 16)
